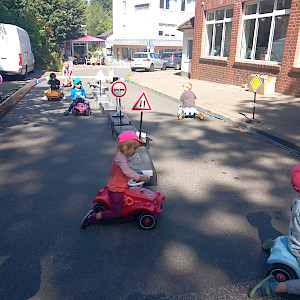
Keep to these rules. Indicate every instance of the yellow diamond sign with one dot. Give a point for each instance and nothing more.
(256, 83)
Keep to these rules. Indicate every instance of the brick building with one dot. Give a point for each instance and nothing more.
(236, 38)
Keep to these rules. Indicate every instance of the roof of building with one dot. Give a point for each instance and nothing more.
(189, 24)
(106, 34)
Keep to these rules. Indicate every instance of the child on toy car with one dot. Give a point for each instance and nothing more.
(120, 173)
(188, 103)
(77, 95)
(67, 72)
(54, 91)
(270, 285)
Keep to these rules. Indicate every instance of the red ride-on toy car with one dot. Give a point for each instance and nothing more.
(67, 82)
(138, 201)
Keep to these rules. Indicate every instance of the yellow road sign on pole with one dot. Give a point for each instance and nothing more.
(256, 83)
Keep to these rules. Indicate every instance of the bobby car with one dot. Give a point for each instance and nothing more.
(144, 204)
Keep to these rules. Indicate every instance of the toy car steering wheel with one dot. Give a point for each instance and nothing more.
(132, 182)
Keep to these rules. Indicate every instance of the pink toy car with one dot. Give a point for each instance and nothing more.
(81, 109)
(138, 201)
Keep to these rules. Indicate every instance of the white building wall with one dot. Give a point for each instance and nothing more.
(137, 22)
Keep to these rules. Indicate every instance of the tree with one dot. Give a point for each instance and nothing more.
(48, 23)
(10, 10)
(63, 19)
(99, 16)
(14, 12)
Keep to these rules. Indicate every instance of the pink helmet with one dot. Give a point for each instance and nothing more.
(295, 178)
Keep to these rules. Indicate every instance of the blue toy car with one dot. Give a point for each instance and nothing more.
(283, 264)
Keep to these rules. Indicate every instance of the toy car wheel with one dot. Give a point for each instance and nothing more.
(181, 116)
(146, 220)
(98, 207)
(76, 112)
(87, 112)
(282, 272)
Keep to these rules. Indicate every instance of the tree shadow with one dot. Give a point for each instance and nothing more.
(52, 167)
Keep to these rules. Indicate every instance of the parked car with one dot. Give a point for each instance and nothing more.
(172, 59)
(16, 56)
(146, 60)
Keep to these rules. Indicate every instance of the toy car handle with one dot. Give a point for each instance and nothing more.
(132, 182)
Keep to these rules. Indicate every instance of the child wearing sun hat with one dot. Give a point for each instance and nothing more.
(294, 227)
(120, 173)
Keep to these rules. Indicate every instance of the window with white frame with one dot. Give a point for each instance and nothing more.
(167, 29)
(182, 5)
(168, 4)
(218, 32)
(188, 5)
(264, 30)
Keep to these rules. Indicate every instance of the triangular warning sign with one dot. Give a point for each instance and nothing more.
(143, 103)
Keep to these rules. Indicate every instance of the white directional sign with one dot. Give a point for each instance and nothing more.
(119, 89)
(142, 103)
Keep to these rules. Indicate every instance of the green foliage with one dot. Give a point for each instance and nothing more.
(10, 10)
(62, 18)
(99, 17)
(48, 23)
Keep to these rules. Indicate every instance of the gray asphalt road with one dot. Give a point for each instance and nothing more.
(226, 192)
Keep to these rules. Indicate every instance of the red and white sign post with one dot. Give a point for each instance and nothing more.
(142, 104)
(119, 90)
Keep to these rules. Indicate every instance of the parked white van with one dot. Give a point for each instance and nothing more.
(16, 57)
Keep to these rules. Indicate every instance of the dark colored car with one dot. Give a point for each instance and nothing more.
(172, 59)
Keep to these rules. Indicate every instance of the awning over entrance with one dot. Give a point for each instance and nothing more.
(78, 48)
(88, 38)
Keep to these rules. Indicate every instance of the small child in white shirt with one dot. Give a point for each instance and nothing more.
(188, 103)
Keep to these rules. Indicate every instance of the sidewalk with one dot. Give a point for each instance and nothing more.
(278, 113)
